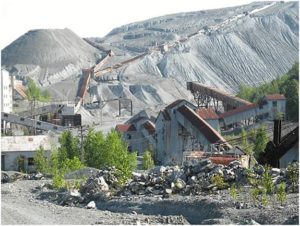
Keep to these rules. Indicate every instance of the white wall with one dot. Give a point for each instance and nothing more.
(6, 92)
(13, 147)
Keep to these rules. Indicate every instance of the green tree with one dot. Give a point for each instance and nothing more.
(290, 89)
(93, 146)
(261, 141)
(148, 161)
(41, 161)
(33, 92)
(69, 147)
(109, 151)
(281, 194)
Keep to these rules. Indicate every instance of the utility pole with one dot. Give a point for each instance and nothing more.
(81, 143)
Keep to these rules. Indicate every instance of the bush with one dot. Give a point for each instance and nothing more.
(267, 181)
(293, 175)
(41, 161)
(233, 191)
(281, 194)
(100, 151)
(218, 180)
(69, 147)
(148, 161)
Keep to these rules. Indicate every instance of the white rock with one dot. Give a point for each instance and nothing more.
(91, 205)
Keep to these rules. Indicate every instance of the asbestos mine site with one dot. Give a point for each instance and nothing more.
(185, 118)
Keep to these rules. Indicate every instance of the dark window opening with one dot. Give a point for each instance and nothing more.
(5, 115)
(30, 161)
(128, 136)
(22, 119)
(39, 123)
(55, 127)
(274, 103)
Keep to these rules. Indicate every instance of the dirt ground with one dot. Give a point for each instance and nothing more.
(20, 205)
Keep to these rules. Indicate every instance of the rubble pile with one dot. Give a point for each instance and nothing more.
(189, 179)
(197, 178)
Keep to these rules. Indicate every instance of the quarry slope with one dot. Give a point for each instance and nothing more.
(49, 55)
(224, 48)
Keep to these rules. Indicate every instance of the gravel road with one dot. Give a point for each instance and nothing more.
(20, 206)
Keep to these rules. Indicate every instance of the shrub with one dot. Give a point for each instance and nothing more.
(233, 191)
(218, 180)
(293, 175)
(148, 161)
(111, 150)
(255, 192)
(58, 180)
(281, 194)
(41, 161)
(264, 198)
(267, 181)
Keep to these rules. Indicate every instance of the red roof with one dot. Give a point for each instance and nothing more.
(238, 110)
(123, 128)
(207, 113)
(212, 135)
(275, 97)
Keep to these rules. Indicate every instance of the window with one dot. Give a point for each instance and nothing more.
(274, 103)
(39, 123)
(30, 161)
(22, 119)
(128, 136)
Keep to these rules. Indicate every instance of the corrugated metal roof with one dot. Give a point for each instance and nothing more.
(275, 97)
(150, 127)
(238, 110)
(20, 89)
(207, 113)
(123, 128)
(211, 135)
(173, 104)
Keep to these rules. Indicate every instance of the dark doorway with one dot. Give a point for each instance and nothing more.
(2, 162)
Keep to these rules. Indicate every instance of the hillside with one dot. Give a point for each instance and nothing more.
(248, 44)
(225, 48)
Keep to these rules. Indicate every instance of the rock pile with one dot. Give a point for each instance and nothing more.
(190, 179)
(199, 177)
(101, 183)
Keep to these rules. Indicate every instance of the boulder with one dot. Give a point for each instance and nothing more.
(91, 205)
(4, 177)
(235, 163)
(158, 170)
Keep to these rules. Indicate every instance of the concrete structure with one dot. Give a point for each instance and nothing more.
(270, 107)
(139, 132)
(275, 103)
(6, 92)
(292, 155)
(179, 128)
(17, 152)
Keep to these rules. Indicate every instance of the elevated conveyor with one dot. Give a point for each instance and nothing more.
(29, 122)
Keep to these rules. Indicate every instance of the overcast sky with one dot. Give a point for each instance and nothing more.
(90, 18)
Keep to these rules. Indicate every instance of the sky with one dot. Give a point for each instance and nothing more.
(90, 18)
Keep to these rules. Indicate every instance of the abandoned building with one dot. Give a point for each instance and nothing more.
(17, 152)
(179, 128)
(270, 107)
(138, 132)
(283, 149)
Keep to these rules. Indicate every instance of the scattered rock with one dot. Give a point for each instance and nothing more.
(91, 205)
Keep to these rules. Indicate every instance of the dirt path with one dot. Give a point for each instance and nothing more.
(19, 206)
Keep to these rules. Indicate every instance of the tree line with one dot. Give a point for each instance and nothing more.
(288, 85)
